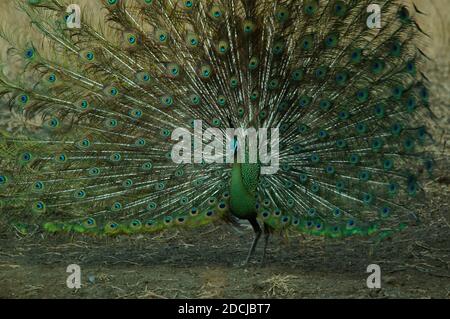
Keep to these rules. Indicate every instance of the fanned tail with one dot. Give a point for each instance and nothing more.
(102, 103)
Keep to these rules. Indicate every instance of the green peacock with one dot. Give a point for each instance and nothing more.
(100, 103)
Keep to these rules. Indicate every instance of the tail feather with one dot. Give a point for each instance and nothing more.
(101, 104)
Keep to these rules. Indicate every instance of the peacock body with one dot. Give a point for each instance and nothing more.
(101, 104)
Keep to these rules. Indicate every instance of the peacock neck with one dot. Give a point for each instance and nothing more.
(242, 198)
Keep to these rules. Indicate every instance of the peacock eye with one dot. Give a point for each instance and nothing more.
(29, 53)
(54, 123)
(168, 219)
(26, 157)
(24, 98)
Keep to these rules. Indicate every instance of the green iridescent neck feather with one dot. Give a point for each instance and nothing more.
(244, 182)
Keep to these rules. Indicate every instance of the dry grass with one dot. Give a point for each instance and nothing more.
(279, 286)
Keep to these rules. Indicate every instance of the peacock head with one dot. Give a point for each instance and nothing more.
(234, 146)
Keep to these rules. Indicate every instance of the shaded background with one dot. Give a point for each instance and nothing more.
(415, 264)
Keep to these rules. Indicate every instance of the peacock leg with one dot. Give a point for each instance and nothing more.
(266, 242)
(258, 232)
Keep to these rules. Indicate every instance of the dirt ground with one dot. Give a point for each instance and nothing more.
(206, 263)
